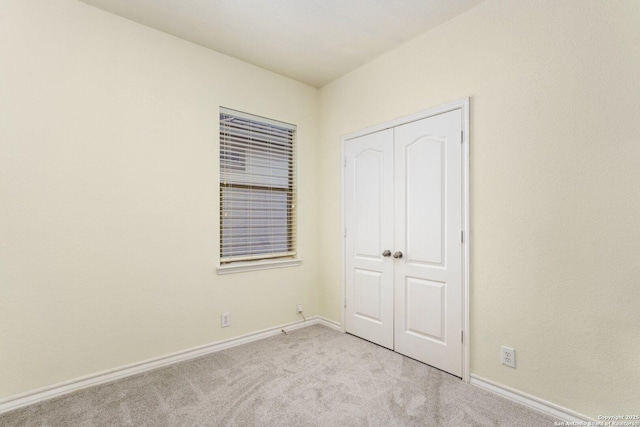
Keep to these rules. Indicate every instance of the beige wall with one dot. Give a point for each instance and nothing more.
(108, 194)
(555, 194)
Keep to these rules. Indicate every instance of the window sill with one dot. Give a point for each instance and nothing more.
(241, 267)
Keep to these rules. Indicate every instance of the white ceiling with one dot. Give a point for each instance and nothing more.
(313, 41)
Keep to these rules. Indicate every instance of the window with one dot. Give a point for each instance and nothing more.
(257, 189)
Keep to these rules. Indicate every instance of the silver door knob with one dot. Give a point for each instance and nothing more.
(386, 253)
(397, 254)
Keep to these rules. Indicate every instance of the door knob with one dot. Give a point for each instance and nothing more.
(397, 254)
(386, 253)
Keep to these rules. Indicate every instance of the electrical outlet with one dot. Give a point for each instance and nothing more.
(299, 307)
(225, 320)
(508, 356)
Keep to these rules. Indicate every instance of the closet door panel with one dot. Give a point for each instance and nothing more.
(424, 183)
(369, 224)
(428, 224)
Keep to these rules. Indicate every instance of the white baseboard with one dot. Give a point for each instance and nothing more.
(532, 402)
(39, 395)
(330, 323)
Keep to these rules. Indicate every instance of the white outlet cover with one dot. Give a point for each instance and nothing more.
(508, 356)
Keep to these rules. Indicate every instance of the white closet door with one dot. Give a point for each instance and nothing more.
(369, 222)
(428, 224)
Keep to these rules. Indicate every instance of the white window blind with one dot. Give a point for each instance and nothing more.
(257, 188)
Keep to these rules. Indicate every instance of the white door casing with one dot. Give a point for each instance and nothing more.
(369, 219)
(422, 309)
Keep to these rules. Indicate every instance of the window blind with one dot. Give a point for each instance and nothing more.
(257, 188)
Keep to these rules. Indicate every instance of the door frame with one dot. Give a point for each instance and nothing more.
(463, 105)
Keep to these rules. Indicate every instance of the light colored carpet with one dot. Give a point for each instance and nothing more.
(312, 377)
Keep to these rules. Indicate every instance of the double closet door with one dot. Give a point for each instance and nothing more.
(403, 217)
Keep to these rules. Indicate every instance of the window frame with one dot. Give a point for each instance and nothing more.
(267, 262)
